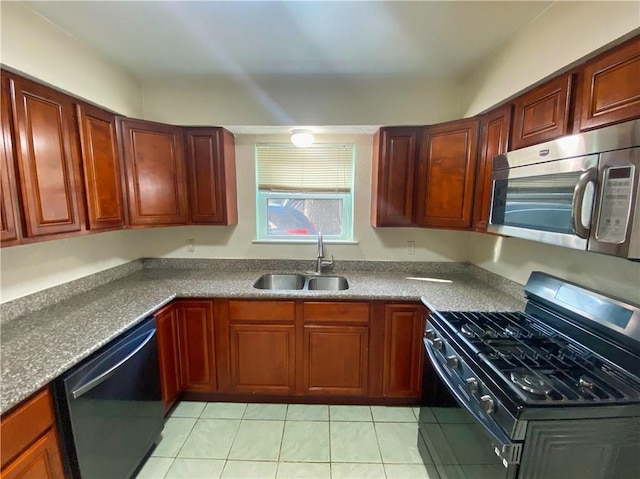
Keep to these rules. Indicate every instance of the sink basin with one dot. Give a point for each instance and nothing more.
(330, 283)
(280, 281)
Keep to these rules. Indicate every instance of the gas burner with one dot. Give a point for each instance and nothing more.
(531, 382)
(471, 331)
(513, 331)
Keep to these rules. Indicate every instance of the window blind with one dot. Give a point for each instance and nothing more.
(320, 167)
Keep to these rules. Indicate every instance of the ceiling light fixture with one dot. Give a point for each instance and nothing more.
(302, 138)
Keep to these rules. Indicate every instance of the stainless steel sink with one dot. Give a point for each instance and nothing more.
(329, 283)
(280, 281)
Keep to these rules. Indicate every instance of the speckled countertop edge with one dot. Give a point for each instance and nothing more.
(38, 346)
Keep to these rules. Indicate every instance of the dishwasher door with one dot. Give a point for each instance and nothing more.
(110, 408)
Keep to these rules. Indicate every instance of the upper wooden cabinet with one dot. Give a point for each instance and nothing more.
(156, 173)
(611, 87)
(9, 214)
(494, 140)
(46, 148)
(446, 174)
(101, 166)
(395, 152)
(212, 176)
(542, 114)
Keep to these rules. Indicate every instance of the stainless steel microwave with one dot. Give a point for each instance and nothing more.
(579, 191)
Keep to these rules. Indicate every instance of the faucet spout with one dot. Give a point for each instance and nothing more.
(320, 245)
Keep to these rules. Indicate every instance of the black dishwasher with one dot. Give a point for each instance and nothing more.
(109, 407)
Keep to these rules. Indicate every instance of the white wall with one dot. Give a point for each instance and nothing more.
(237, 241)
(302, 100)
(564, 33)
(36, 47)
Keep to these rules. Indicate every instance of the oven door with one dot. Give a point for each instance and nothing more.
(550, 202)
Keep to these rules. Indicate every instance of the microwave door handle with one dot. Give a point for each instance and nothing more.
(581, 190)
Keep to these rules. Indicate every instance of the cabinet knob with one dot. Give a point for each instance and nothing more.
(453, 362)
(487, 403)
(472, 385)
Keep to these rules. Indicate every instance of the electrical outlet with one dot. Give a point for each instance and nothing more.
(191, 245)
(411, 247)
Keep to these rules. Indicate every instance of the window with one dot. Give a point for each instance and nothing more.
(303, 191)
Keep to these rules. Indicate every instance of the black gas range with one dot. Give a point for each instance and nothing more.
(556, 387)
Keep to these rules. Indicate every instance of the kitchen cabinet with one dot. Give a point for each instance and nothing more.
(262, 345)
(156, 173)
(29, 441)
(212, 176)
(403, 350)
(101, 166)
(395, 152)
(494, 140)
(10, 231)
(446, 174)
(336, 348)
(611, 87)
(196, 343)
(46, 149)
(542, 114)
(168, 354)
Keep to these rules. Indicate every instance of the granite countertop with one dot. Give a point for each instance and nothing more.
(38, 346)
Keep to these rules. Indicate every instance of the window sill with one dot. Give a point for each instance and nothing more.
(303, 241)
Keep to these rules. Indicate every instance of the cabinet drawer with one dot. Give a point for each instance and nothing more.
(24, 425)
(327, 312)
(262, 310)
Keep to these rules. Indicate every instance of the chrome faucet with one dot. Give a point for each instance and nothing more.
(320, 263)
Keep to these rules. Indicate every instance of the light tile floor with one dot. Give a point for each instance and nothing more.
(237, 440)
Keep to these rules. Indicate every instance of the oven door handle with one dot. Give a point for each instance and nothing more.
(509, 451)
(580, 217)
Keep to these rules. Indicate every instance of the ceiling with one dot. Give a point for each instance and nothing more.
(154, 39)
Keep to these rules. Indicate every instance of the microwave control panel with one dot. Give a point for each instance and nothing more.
(615, 206)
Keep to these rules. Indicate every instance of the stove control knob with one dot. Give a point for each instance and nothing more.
(487, 403)
(430, 334)
(437, 344)
(472, 385)
(452, 362)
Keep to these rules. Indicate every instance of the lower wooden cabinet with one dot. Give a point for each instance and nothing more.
(29, 441)
(197, 355)
(168, 354)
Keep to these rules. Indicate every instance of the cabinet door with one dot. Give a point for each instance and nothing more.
(403, 330)
(542, 114)
(394, 162)
(195, 330)
(40, 461)
(212, 176)
(101, 166)
(262, 358)
(9, 215)
(156, 173)
(47, 157)
(446, 174)
(167, 327)
(494, 140)
(611, 87)
(336, 360)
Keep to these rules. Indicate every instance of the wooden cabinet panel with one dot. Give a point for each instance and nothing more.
(40, 461)
(262, 310)
(494, 140)
(262, 358)
(404, 327)
(336, 360)
(195, 330)
(394, 163)
(47, 158)
(446, 174)
(212, 176)
(156, 173)
(336, 312)
(611, 87)
(542, 114)
(168, 354)
(101, 166)
(10, 231)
